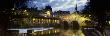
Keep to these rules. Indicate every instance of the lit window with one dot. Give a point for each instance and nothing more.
(34, 19)
(49, 21)
(27, 14)
(45, 16)
(57, 21)
(42, 22)
(53, 21)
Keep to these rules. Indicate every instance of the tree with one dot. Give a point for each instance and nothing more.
(87, 8)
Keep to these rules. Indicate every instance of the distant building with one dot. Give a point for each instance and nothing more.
(47, 12)
(61, 13)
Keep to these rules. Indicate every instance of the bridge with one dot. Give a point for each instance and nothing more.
(76, 17)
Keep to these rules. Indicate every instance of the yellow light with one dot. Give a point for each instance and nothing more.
(45, 16)
(76, 17)
(25, 10)
(49, 32)
(82, 19)
(48, 13)
(55, 31)
(55, 21)
(53, 15)
(42, 22)
(13, 9)
(27, 14)
(49, 20)
(42, 32)
(89, 15)
(42, 19)
(109, 22)
(82, 34)
(73, 35)
(34, 33)
(34, 19)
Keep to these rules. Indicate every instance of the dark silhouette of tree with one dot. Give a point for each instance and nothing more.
(99, 9)
(5, 7)
(87, 8)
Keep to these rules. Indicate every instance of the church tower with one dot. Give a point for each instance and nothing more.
(76, 8)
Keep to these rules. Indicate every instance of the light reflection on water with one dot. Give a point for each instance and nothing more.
(36, 29)
(70, 32)
(52, 31)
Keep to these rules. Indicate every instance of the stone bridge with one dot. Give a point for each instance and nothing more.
(76, 17)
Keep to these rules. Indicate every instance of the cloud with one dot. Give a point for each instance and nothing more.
(58, 4)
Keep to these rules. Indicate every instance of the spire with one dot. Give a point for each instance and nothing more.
(76, 8)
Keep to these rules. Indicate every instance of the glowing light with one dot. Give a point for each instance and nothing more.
(73, 35)
(42, 19)
(55, 31)
(49, 32)
(82, 19)
(53, 15)
(82, 34)
(13, 9)
(42, 32)
(109, 22)
(42, 22)
(48, 13)
(49, 20)
(27, 14)
(34, 19)
(89, 15)
(76, 17)
(55, 20)
(34, 33)
(45, 16)
(25, 10)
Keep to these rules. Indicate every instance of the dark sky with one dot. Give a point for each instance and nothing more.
(65, 5)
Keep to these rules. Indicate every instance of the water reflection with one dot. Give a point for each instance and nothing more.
(64, 29)
(70, 32)
(48, 32)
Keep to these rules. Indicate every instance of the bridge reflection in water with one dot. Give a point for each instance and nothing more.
(54, 32)
(47, 32)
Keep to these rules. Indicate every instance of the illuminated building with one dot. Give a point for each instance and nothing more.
(33, 22)
(47, 11)
(46, 21)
